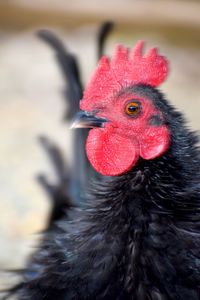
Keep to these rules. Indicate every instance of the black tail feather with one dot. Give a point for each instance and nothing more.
(58, 192)
(70, 70)
(104, 31)
(56, 158)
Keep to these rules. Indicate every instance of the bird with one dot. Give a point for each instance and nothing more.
(138, 237)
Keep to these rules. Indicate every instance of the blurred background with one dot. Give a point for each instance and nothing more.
(31, 90)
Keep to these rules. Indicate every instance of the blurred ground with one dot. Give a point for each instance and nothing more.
(31, 101)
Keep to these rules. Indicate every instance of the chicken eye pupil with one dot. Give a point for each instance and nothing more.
(133, 108)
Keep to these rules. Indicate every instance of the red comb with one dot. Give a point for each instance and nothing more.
(124, 69)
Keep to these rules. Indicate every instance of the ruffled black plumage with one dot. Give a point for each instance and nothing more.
(138, 238)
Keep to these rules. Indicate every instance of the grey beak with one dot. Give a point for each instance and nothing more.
(86, 120)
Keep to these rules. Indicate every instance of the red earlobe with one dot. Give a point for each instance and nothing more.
(154, 142)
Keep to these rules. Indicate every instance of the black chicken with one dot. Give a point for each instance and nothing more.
(138, 238)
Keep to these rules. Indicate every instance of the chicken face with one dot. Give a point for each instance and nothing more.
(126, 123)
(131, 127)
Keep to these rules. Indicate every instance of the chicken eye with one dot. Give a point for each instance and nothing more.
(133, 108)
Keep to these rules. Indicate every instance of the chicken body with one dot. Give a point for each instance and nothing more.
(138, 238)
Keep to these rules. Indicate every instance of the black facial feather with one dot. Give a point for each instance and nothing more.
(155, 120)
(139, 237)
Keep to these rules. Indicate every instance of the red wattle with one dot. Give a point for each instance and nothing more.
(109, 153)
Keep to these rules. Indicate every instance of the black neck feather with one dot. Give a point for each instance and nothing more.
(167, 185)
